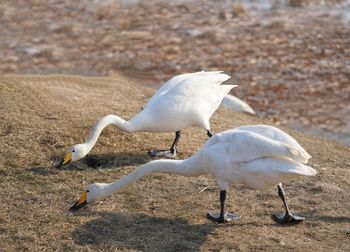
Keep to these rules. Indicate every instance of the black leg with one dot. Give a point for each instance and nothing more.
(210, 133)
(171, 153)
(286, 217)
(222, 205)
(222, 216)
(176, 140)
(282, 195)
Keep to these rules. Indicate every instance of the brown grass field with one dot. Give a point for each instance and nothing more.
(42, 116)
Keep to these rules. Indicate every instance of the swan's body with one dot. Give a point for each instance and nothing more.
(258, 156)
(184, 101)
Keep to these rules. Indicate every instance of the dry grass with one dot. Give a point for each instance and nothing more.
(42, 116)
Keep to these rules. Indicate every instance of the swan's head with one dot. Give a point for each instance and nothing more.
(95, 192)
(74, 153)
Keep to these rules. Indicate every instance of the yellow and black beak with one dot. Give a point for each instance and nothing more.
(80, 203)
(67, 158)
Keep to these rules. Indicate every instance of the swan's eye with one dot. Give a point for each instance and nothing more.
(87, 191)
(73, 150)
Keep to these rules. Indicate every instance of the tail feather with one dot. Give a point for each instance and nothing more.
(304, 170)
(298, 155)
(235, 104)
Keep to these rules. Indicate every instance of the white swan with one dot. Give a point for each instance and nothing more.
(258, 156)
(233, 103)
(184, 101)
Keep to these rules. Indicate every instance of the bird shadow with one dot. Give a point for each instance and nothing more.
(334, 219)
(110, 160)
(107, 160)
(43, 171)
(142, 232)
(310, 216)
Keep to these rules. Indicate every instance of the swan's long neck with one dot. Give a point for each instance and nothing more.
(127, 126)
(188, 168)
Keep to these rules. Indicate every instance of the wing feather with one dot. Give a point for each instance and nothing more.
(245, 146)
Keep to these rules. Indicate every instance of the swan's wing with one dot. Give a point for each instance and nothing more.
(201, 86)
(233, 103)
(237, 146)
(197, 95)
(278, 135)
(263, 173)
(181, 77)
(188, 103)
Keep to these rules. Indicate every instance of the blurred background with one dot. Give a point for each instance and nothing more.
(290, 58)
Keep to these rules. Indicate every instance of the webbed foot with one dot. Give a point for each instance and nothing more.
(228, 217)
(284, 218)
(162, 153)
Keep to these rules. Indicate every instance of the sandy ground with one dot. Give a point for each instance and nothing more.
(290, 58)
(40, 117)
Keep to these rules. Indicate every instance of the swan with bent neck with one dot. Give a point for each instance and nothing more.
(184, 101)
(258, 156)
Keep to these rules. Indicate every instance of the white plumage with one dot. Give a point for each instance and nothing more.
(233, 103)
(184, 101)
(259, 156)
